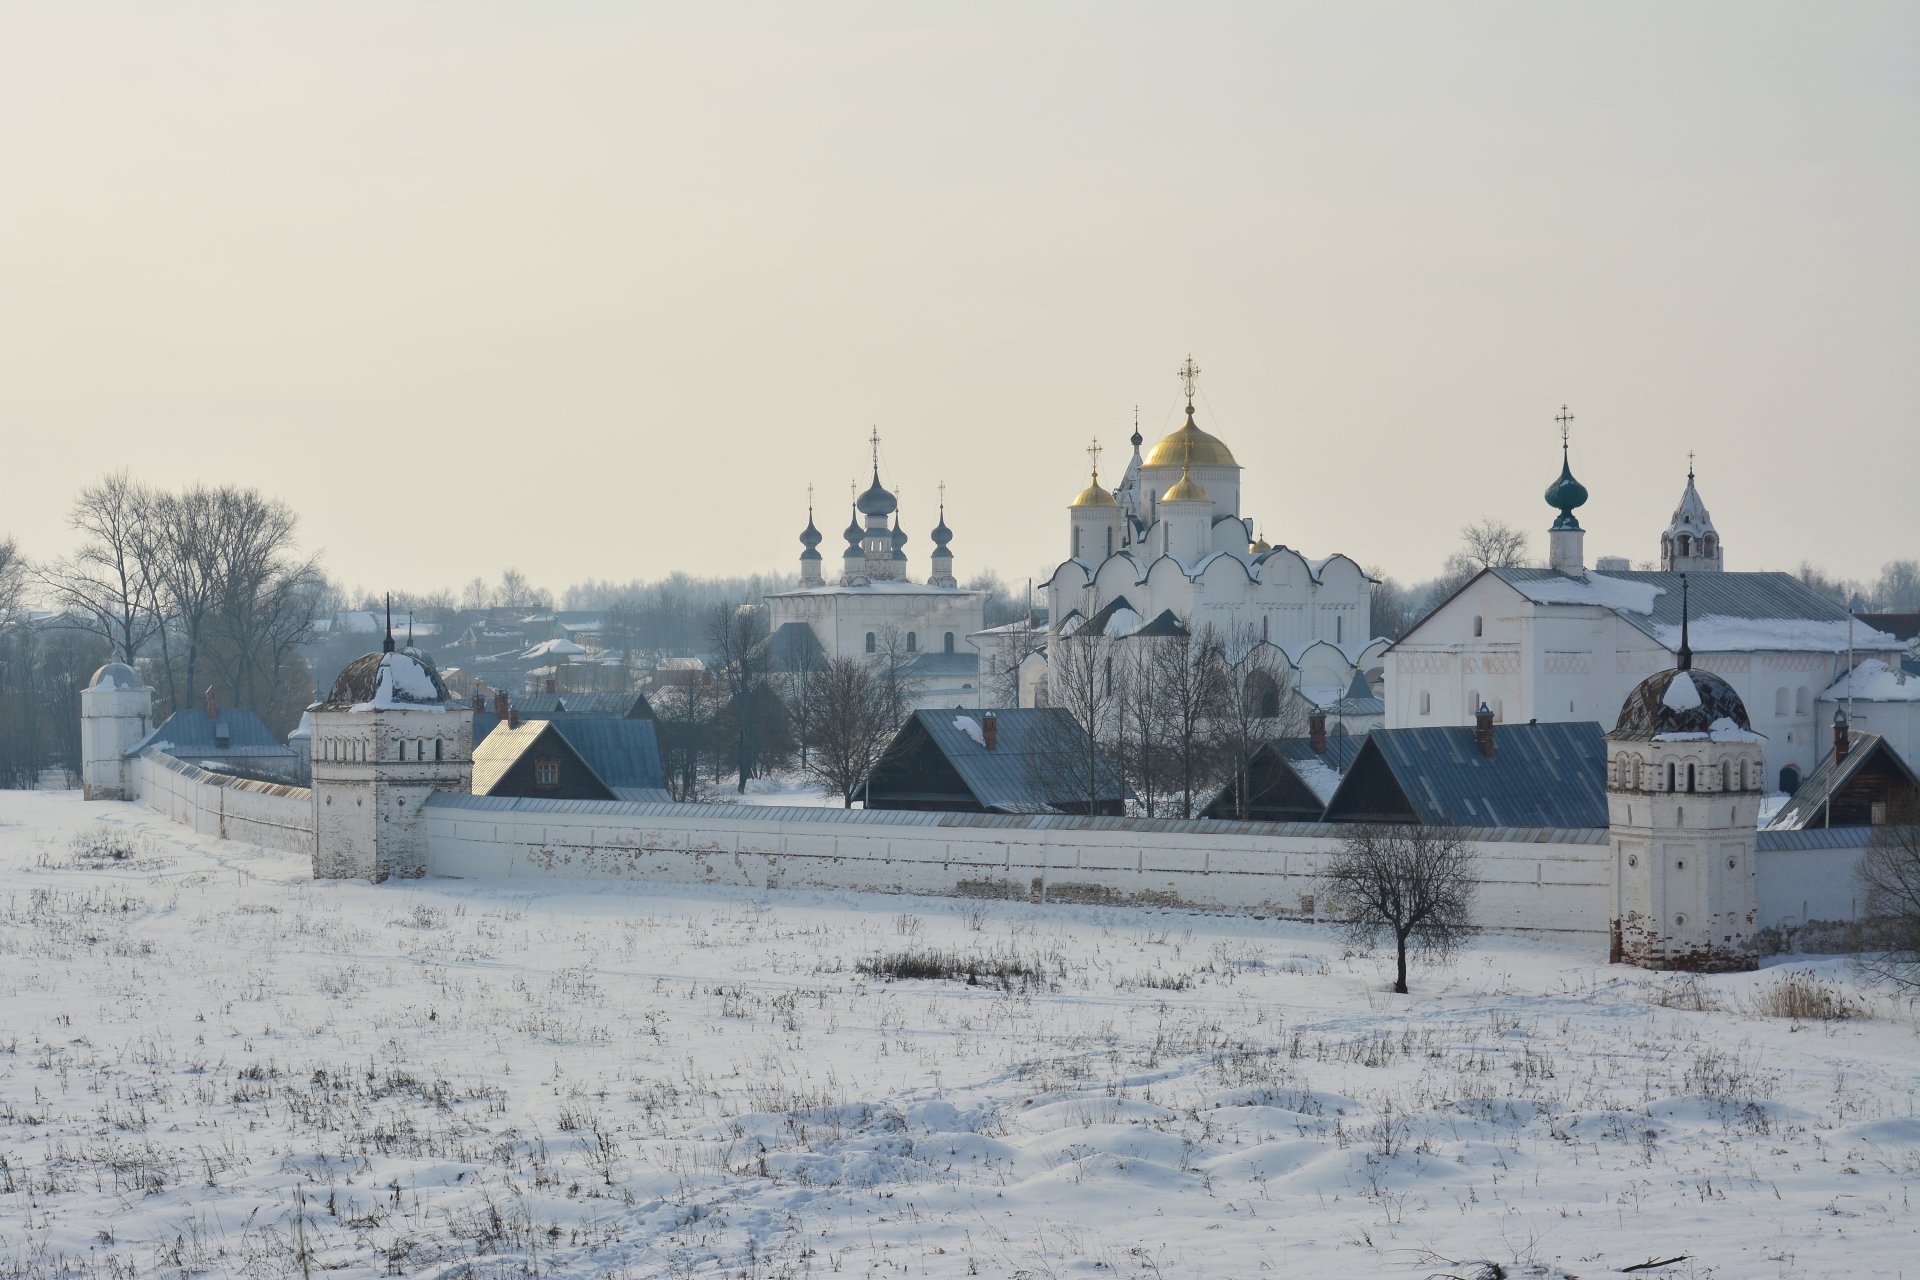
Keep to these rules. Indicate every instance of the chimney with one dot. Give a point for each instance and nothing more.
(213, 704)
(479, 702)
(990, 731)
(550, 684)
(1842, 738)
(1317, 731)
(500, 704)
(513, 717)
(1483, 730)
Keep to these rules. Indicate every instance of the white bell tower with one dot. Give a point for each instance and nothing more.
(116, 710)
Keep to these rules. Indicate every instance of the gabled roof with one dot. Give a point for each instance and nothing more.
(1036, 751)
(622, 755)
(791, 647)
(928, 664)
(1809, 807)
(1164, 624)
(1321, 772)
(1540, 775)
(188, 734)
(574, 706)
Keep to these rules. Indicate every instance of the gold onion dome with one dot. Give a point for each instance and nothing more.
(1094, 495)
(1185, 490)
(1190, 445)
(1259, 547)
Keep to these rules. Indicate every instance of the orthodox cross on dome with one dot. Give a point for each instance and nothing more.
(1189, 375)
(1136, 426)
(1689, 466)
(1565, 420)
(943, 499)
(874, 441)
(1093, 458)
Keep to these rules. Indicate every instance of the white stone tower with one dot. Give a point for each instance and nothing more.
(1097, 522)
(1684, 780)
(941, 562)
(1691, 544)
(386, 738)
(116, 710)
(1566, 540)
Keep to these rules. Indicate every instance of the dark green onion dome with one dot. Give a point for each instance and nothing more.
(1565, 494)
(876, 501)
(899, 541)
(941, 534)
(810, 538)
(853, 535)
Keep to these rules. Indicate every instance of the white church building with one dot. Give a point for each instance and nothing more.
(1171, 546)
(874, 610)
(1567, 642)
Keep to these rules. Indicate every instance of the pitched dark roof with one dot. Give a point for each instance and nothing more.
(931, 663)
(1540, 775)
(1809, 806)
(1164, 623)
(574, 706)
(1904, 627)
(1031, 767)
(623, 755)
(1317, 775)
(188, 734)
(792, 647)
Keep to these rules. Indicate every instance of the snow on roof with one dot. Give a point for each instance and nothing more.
(971, 727)
(1874, 681)
(1320, 777)
(1595, 589)
(1721, 730)
(1681, 694)
(553, 648)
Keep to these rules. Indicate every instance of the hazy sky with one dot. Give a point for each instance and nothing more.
(597, 289)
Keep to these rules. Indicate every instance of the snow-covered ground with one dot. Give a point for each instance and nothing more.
(211, 1065)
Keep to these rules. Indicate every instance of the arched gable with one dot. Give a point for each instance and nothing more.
(1283, 566)
(1069, 575)
(1117, 574)
(1340, 570)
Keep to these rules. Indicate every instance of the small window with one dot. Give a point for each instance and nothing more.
(403, 749)
(1669, 775)
(1339, 626)
(1802, 702)
(1479, 625)
(546, 773)
(1426, 704)
(1690, 778)
(946, 644)
(437, 745)
(1789, 779)
(1780, 704)
(1109, 540)
(871, 645)
(913, 642)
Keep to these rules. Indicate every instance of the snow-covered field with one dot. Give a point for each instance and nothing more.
(211, 1065)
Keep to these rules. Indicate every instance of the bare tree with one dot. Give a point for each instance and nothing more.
(184, 535)
(110, 581)
(1083, 685)
(1189, 673)
(1412, 880)
(1256, 706)
(1889, 880)
(1493, 544)
(1140, 724)
(13, 578)
(853, 720)
(1897, 590)
(736, 637)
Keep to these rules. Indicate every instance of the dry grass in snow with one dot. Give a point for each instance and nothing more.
(212, 1066)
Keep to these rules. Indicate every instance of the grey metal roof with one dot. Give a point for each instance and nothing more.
(832, 815)
(624, 754)
(188, 732)
(930, 662)
(572, 706)
(1744, 597)
(1813, 838)
(1339, 753)
(1829, 777)
(1037, 753)
(1540, 775)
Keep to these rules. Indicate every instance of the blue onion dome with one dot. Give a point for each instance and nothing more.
(810, 536)
(899, 541)
(853, 534)
(941, 534)
(876, 501)
(1565, 494)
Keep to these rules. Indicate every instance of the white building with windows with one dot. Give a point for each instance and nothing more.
(1171, 547)
(874, 609)
(1569, 643)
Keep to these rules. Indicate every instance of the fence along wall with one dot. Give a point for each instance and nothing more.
(268, 814)
(1557, 881)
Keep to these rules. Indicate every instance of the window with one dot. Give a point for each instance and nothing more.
(546, 773)
(1726, 776)
(913, 642)
(1669, 775)
(403, 749)
(1689, 778)
(1076, 542)
(1780, 702)
(871, 647)
(1339, 625)
(946, 645)
(1789, 779)
(1479, 625)
(1802, 701)
(437, 745)
(1426, 704)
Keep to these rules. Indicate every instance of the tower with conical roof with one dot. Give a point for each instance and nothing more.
(1691, 544)
(810, 540)
(942, 558)
(1096, 521)
(1684, 779)
(1566, 540)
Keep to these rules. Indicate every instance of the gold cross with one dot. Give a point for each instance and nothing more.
(1564, 419)
(1093, 456)
(1189, 374)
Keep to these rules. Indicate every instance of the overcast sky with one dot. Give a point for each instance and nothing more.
(597, 289)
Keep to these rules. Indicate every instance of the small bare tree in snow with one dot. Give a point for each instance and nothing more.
(1411, 880)
(1889, 879)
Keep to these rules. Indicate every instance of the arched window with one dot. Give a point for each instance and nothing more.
(1499, 710)
(1473, 702)
(913, 642)
(1689, 778)
(1726, 775)
(403, 749)
(1802, 701)
(437, 745)
(1686, 545)
(1263, 695)
(1789, 779)
(1426, 704)
(1479, 625)
(1076, 542)
(871, 646)
(1780, 703)
(1109, 540)
(1339, 625)
(947, 643)
(1669, 775)
(1706, 546)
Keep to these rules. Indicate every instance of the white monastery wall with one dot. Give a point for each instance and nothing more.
(268, 814)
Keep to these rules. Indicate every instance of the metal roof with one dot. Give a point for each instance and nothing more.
(1814, 838)
(1540, 775)
(1038, 756)
(623, 755)
(188, 732)
(1830, 777)
(824, 815)
(572, 706)
(933, 662)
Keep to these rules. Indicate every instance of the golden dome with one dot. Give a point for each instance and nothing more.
(1094, 495)
(1259, 547)
(1185, 490)
(1192, 446)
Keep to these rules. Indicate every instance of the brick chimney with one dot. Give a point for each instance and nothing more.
(1842, 737)
(513, 717)
(500, 704)
(1483, 730)
(990, 731)
(550, 684)
(479, 702)
(1317, 731)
